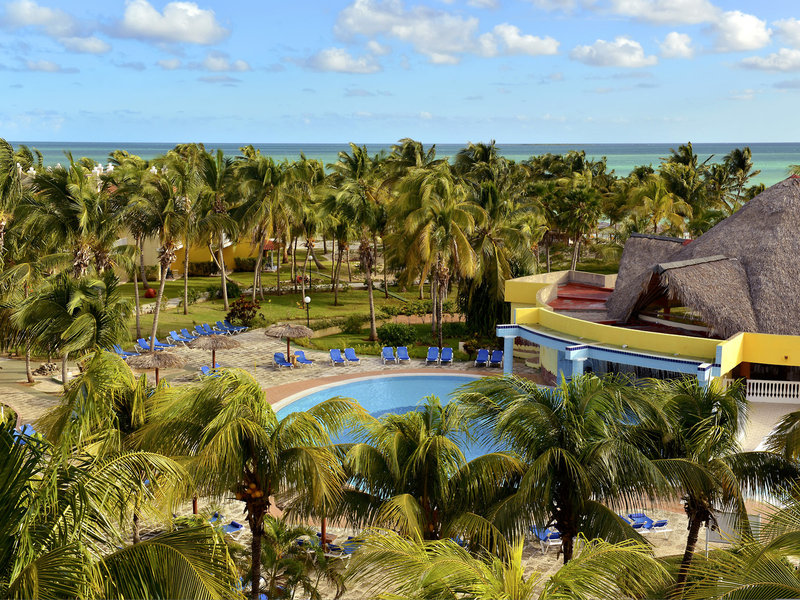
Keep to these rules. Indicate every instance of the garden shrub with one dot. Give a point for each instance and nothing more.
(353, 324)
(247, 264)
(243, 311)
(396, 334)
(202, 269)
(455, 330)
(214, 290)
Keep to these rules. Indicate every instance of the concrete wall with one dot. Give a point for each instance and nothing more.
(539, 290)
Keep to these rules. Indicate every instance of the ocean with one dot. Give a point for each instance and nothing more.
(772, 159)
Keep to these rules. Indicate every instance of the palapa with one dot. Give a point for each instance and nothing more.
(156, 360)
(288, 331)
(214, 343)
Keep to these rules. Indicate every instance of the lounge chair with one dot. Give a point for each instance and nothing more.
(211, 331)
(189, 336)
(224, 328)
(336, 357)
(548, 539)
(433, 355)
(280, 360)
(642, 518)
(214, 518)
(388, 354)
(446, 356)
(235, 327)
(402, 354)
(482, 359)
(497, 358)
(349, 547)
(144, 345)
(350, 355)
(123, 353)
(627, 521)
(209, 372)
(660, 526)
(201, 330)
(301, 358)
(233, 529)
(175, 337)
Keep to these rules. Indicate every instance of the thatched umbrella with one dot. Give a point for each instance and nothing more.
(214, 343)
(156, 360)
(288, 331)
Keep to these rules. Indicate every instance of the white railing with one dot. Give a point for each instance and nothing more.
(761, 390)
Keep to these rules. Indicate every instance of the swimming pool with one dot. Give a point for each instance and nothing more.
(380, 394)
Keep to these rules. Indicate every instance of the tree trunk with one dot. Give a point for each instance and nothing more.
(318, 264)
(548, 257)
(142, 268)
(257, 529)
(439, 315)
(385, 282)
(28, 373)
(157, 309)
(136, 537)
(336, 273)
(305, 270)
(567, 546)
(434, 291)
(695, 523)
(278, 271)
(64, 369)
(257, 271)
(373, 331)
(186, 276)
(576, 248)
(223, 276)
(325, 246)
(294, 264)
(349, 272)
(136, 301)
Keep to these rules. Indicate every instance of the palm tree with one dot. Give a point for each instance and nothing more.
(652, 200)
(697, 450)
(233, 442)
(739, 163)
(216, 199)
(410, 473)
(13, 165)
(402, 567)
(579, 462)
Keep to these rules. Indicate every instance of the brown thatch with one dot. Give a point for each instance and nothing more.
(762, 239)
(288, 331)
(214, 342)
(156, 360)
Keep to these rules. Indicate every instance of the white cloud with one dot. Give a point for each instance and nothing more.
(789, 31)
(565, 5)
(170, 64)
(217, 61)
(180, 22)
(514, 42)
(677, 45)
(85, 45)
(378, 49)
(683, 12)
(746, 95)
(425, 115)
(622, 52)
(483, 3)
(46, 66)
(341, 61)
(26, 13)
(737, 31)
(785, 59)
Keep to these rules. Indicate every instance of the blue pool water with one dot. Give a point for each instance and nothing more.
(398, 394)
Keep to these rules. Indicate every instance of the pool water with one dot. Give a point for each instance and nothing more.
(398, 394)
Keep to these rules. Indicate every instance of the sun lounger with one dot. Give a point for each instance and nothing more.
(212, 331)
(175, 337)
(547, 538)
(301, 358)
(350, 355)
(349, 547)
(660, 526)
(209, 372)
(387, 353)
(189, 336)
(225, 329)
(482, 359)
(235, 327)
(144, 345)
(446, 356)
(433, 355)
(642, 518)
(336, 357)
(280, 360)
(214, 518)
(497, 358)
(123, 353)
(402, 354)
(201, 330)
(233, 529)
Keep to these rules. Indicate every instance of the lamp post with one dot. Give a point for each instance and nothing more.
(307, 301)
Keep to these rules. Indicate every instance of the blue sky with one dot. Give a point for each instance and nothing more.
(518, 71)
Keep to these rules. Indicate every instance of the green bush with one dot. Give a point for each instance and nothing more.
(455, 330)
(243, 311)
(352, 324)
(192, 296)
(214, 290)
(326, 322)
(247, 264)
(396, 334)
(202, 269)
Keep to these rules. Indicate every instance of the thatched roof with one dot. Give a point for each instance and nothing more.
(288, 330)
(755, 289)
(214, 342)
(156, 360)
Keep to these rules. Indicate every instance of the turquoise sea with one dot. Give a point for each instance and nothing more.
(772, 159)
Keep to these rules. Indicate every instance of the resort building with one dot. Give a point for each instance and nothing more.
(721, 306)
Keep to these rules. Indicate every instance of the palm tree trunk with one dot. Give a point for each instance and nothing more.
(336, 273)
(257, 271)
(318, 264)
(385, 283)
(567, 546)
(28, 373)
(349, 272)
(186, 276)
(439, 313)
(222, 274)
(324, 246)
(576, 248)
(548, 257)
(64, 369)
(694, 530)
(142, 268)
(294, 264)
(434, 291)
(256, 529)
(305, 270)
(157, 309)
(278, 270)
(136, 301)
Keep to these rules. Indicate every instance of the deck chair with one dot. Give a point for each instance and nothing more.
(482, 359)
(235, 327)
(201, 330)
(336, 357)
(123, 353)
(280, 360)
(233, 529)
(187, 335)
(446, 356)
(175, 337)
(301, 358)
(387, 353)
(433, 355)
(350, 355)
(497, 358)
(402, 354)
(211, 331)
(224, 328)
(660, 526)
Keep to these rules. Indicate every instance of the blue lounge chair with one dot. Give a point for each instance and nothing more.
(209, 372)
(144, 345)
(201, 330)
(627, 521)
(235, 327)
(163, 345)
(446, 357)
(553, 539)
(301, 358)
(211, 331)
(349, 547)
(387, 353)
(350, 355)
(402, 354)
(123, 353)
(660, 526)
(336, 357)
(433, 355)
(222, 327)
(233, 529)
(482, 359)
(280, 360)
(497, 358)
(174, 337)
(214, 518)
(187, 335)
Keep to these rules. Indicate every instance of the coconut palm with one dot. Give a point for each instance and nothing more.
(652, 200)
(698, 452)
(580, 465)
(233, 442)
(410, 473)
(402, 567)
(13, 165)
(739, 163)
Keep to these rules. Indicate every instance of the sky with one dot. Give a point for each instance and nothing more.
(375, 71)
